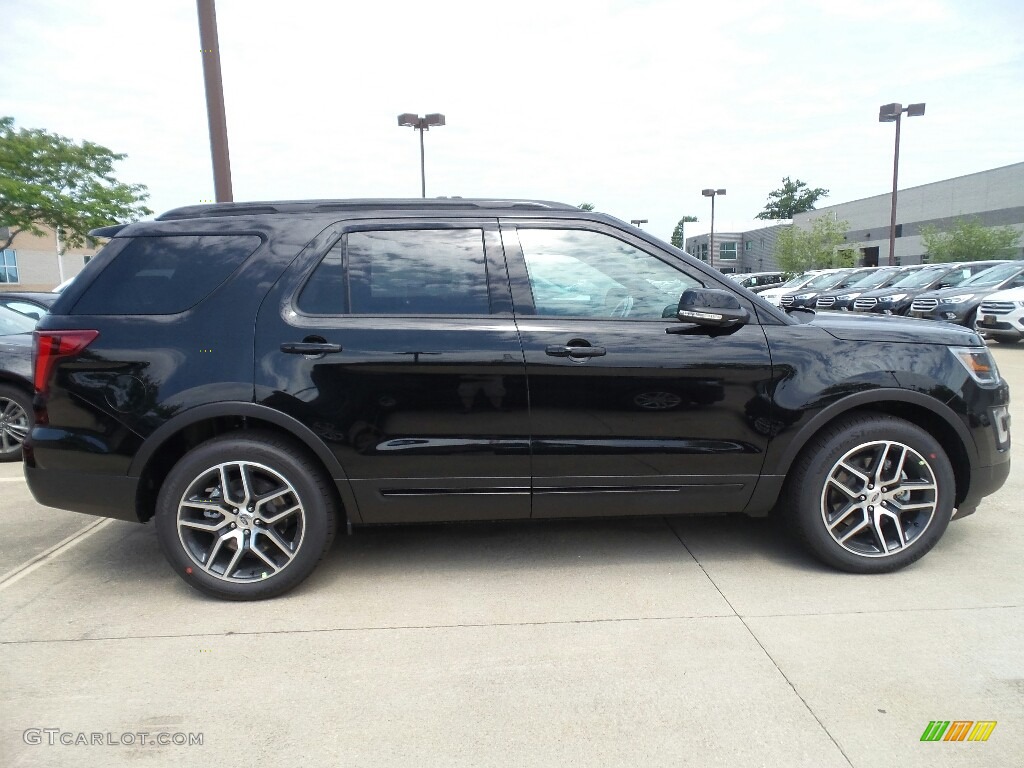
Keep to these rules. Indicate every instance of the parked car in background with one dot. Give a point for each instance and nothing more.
(823, 282)
(34, 305)
(897, 298)
(759, 281)
(15, 381)
(1001, 316)
(841, 298)
(808, 295)
(774, 295)
(959, 304)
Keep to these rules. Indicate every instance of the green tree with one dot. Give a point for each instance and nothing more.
(49, 180)
(968, 240)
(678, 235)
(792, 197)
(797, 250)
(586, 206)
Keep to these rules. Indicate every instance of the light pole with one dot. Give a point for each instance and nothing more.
(210, 49)
(421, 124)
(891, 113)
(637, 222)
(712, 193)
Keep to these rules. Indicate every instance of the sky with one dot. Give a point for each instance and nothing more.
(631, 105)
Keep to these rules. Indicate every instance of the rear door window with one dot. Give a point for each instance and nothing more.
(165, 275)
(401, 272)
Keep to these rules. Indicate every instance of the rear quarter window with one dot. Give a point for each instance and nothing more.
(165, 275)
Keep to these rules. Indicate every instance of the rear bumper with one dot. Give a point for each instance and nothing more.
(92, 494)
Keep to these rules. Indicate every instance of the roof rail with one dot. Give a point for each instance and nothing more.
(365, 204)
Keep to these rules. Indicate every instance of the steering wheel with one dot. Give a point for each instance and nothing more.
(624, 307)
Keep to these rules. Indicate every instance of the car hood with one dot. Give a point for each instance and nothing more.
(880, 292)
(1010, 294)
(957, 291)
(895, 329)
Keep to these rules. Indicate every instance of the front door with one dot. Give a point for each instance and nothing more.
(394, 342)
(625, 417)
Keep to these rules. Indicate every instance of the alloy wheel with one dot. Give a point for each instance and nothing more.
(241, 521)
(14, 424)
(879, 498)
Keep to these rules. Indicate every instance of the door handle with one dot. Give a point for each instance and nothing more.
(560, 350)
(309, 348)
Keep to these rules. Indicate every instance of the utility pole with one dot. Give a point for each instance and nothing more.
(210, 48)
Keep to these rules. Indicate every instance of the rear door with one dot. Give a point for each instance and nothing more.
(627, 418)
(394, 341)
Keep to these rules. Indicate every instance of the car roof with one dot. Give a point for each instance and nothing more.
(42, 297)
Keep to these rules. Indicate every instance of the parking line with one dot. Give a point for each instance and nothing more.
(18, 573)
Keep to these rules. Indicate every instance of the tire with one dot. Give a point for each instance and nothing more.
(843, 528)
(222, 543)
(15, 421)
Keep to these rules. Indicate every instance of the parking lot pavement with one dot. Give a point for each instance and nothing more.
(709, 641)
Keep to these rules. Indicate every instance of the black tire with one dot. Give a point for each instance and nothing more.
(812, 501)
(281, 477)
(15, 421)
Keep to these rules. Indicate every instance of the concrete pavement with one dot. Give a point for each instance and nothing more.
(705, 642)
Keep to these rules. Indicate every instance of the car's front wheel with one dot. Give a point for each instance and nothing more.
(15, 420)
(870, 494)
(245, 516)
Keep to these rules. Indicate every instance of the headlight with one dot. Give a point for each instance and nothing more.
(803, 296)
(847, 297)
(978, 362)
(894, 297)
(959, 299)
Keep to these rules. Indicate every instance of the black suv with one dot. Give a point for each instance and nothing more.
(251, 377)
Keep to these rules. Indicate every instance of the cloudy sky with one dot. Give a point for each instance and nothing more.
(633, 105)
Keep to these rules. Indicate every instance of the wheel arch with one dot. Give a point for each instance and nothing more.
(174, 438)
(936, 418)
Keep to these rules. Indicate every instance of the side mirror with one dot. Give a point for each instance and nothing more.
(711, 306)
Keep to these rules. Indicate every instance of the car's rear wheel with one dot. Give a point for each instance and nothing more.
(15, 420)
(245, 516)
(870, 494)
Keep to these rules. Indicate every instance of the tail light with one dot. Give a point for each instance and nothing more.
(50, 346)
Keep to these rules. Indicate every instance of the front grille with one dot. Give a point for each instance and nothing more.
(825, 302)
(863, 304)
(924, 305)
(996, 308)
(786, 301)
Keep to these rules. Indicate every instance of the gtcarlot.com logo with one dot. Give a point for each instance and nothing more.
(958, 730)
(59, 737)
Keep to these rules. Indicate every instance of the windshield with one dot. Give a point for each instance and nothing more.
(796, 282)
(917, 279)
(14, 322)
(826, 281)
(853, 278)
(873, 279)
(993, 275)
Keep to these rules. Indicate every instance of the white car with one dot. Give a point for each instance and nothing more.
(1001, 316)
(774, 295)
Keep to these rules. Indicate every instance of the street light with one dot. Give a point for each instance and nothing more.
(637, 222)
(891, 113)
(712, 193)
(421, 124)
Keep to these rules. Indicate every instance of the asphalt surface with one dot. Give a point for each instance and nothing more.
(705, 642)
